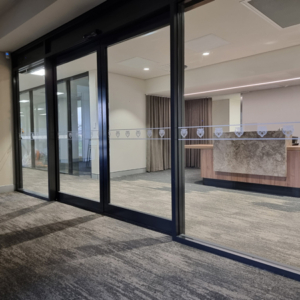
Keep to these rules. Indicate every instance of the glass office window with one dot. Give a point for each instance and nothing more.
(241, 131)
(33, 131)
(78, 128)
(139, 124)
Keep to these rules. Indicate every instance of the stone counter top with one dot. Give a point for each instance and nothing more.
(252, 156)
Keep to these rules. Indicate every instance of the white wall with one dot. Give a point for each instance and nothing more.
(274, 105)
(234, 110)
(232, 114)
(220, 113)
(6, 152)
(127, 110)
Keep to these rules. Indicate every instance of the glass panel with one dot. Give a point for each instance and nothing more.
(78, 128)
(139, 121)
(242, 89)
(33, 130)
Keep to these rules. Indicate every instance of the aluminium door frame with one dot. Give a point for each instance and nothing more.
(18, 176)
(136, 217)
(51, 91)
(177, 74)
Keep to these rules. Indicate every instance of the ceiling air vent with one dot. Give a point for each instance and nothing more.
(281, 13)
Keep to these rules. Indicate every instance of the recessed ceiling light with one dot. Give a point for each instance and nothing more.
(60, 93)
(42, 114)
(41, 108)
(24, 101)
(206, 53)
(146, 69)
(40, 72)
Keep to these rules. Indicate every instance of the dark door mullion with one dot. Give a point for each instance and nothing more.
(52, 128)
(177, 117)
(103, 127)
(17, 131)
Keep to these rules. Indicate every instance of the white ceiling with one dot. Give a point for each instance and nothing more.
(227, 29)
(244, 49)
(19, 19)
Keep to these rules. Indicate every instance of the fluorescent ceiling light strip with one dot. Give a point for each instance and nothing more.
(244, 86)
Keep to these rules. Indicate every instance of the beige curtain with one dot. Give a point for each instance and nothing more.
(158, 115)
(197, 112)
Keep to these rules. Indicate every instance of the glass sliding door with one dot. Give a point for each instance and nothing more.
(33, 131)
(241, 131)
(77, 104)
(139, 124)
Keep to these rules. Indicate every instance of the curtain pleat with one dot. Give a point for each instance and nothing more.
(197, 113)
(158, 115)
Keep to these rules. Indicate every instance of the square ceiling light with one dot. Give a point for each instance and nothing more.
(280, 13)
(205, 43)
(139, 63)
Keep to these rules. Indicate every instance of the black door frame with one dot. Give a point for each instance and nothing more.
(143, 219)
(17, 129)
(51, 92)
(99, 46)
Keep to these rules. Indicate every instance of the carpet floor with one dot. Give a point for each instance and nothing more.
(50, 250)
(267, 226)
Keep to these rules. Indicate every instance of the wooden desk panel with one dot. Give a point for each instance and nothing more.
(292, 179)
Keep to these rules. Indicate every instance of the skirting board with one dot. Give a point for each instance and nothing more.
(7, 188)
(127, 172)
(253, 187)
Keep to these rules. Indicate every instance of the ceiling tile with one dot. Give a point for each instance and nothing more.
(205, 43)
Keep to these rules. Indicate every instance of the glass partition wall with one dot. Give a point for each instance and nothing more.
(241, 131)
(33, 131)
(78, 133)
(139, 124)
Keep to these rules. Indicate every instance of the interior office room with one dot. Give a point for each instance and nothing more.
(121, 165)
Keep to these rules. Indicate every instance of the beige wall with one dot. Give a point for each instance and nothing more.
(127, 109)
(6, 140)
(273, 106)
(220, 113)
(233, 113)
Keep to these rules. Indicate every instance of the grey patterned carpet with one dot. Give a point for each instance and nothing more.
(263, 225)
(54, 251)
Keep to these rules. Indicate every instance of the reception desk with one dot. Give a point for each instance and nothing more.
(284, 185)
